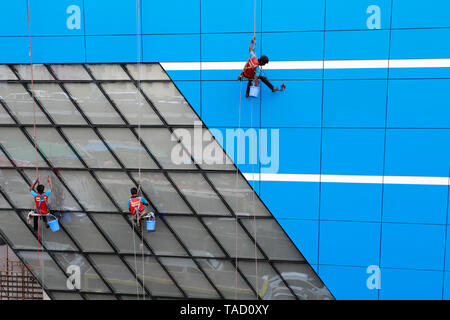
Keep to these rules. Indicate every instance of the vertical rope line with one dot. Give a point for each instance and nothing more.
(236, 217)
(135, 263)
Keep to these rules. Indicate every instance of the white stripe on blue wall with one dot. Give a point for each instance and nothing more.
(283, 177)
(319, 64)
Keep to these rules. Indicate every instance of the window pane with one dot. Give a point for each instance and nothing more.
(238, 194)
(85, 232)
(4, 116)
(231, 236)
(272, 239)
(6, 73)
(20, 103)
(127, 148)
(156, 280)
(90, 280)
(66, 296)
(4, 161)
(60, 198)
(199, 193)
(266, 282)
(190, 278)
(164, 149)
(224, 276)
(169, 102)
(49, 273)
(121, 233)
(88, 191)
(116, 273)
(40, 72)
(3, 203)
(195, 237)
(19, 148)
(16, 231)
(163, 242)
(55, 148)
(108, 72)
(57, 103)
(161, 193)
(118, 185)
(90, 148)
(93, 103)
(92, 296)
(16, 189)
(303, 281)
(131, 103)
(147, 71)
(70, 72)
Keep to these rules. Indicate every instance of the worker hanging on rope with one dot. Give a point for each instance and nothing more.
(136, 206)
(252, 70)
(41, 203)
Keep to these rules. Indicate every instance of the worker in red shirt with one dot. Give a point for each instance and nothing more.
(252, 70)
(41, 201)
(136, 207)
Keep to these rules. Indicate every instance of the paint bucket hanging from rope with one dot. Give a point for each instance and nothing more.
(254, 91)
(54, 224)
(151, 224)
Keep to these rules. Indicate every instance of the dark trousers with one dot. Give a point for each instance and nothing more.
(263, 79)
(35, 222)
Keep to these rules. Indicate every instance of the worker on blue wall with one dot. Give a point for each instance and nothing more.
(252, 70)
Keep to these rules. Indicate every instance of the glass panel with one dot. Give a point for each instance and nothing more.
(108, 72)
(90, 148)
(266, 281)
(85, 232)
(54, 148)
(165, 149)
(147, 71)
(238, 194)
(93, 103)
(190, 278)
(4, 161)
(19, 148)
(155, 278)
(40, 72)
(127, 148)
(118, 185)
(53, 240)
(100, 297)
(131, 103)
(170, 103)
(66, 296)
(6, 73)
(121, 233)
(205, 150)
(20, 103)
(16, 189)
(60, 198)
(303, 281)
(4, 116)
(224, 276)
(88, 192)
(231, 236)
(70, 72)
(195, 237)
(161, 193)
(3, 203)
(163, 242)
(16, 231)
(272, 239)
(199, 193)
(49, 273)
(116, 273)
(90, 280)
(57, 103)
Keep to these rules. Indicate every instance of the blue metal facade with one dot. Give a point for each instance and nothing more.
(359, 121)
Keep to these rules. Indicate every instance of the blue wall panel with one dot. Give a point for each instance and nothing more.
(420, 14)
(110, 17)
(111, 49)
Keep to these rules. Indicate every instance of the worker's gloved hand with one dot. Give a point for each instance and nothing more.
(152, 215)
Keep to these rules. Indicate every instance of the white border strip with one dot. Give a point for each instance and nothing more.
(281, 177)
(308, 65)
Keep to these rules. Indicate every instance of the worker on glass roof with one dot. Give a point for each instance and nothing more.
(136, 206)
(252, 70)
(41, 202)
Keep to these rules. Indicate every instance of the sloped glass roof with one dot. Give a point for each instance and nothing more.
(100, 132)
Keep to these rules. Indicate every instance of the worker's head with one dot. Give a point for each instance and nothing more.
(133, 191)
(263, 60)
(40, 188)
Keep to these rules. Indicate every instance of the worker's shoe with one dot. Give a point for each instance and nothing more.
(283, 86)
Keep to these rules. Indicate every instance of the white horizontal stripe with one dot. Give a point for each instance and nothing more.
(304, 65)
(432, 181)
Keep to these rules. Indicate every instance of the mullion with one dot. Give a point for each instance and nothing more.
(183, 197)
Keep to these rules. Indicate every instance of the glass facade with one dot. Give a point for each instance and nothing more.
(100, 132)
